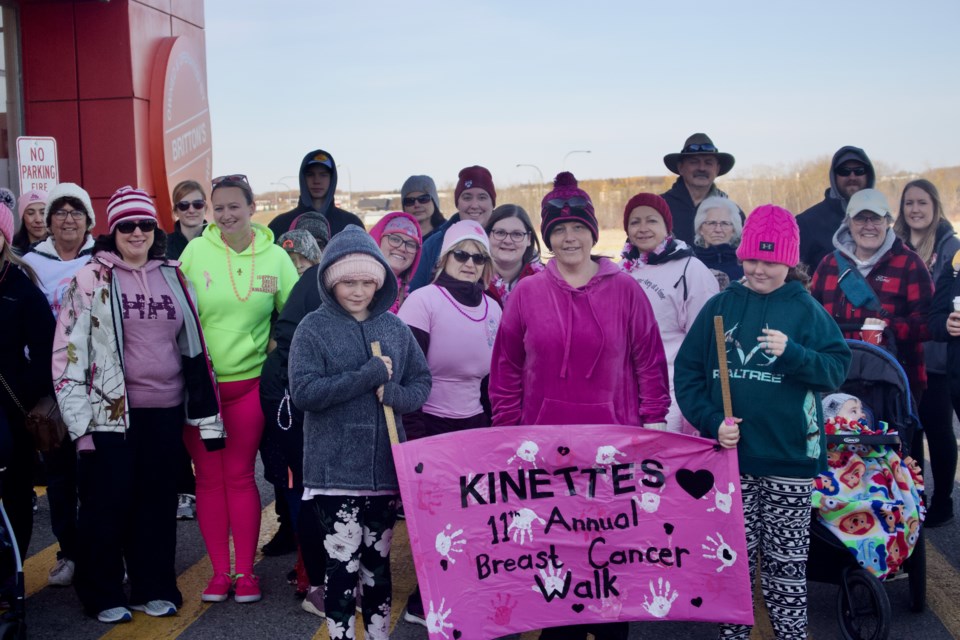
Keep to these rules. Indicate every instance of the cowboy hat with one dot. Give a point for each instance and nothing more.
(697, 145)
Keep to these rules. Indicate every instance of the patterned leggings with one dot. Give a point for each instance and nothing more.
(356, 532)
(777, 515)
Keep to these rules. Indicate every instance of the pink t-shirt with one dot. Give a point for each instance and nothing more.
(461, 343)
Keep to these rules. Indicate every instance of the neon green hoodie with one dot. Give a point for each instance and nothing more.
(237, 332)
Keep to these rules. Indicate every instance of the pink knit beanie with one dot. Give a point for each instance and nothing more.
(354, 266)
(770, 234)
(464, 230)
(29, 198)
(129, 204)
(6, 223)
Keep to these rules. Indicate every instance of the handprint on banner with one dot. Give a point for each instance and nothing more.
(659, 607)
(429, 497)
(648, 501)
(610, 608)
(446, 544)
(719, 550)
(527, 452)
(723, 501)
(607, 455)
(503, 607)
(522, 524)
(553, 582)
(437, 620)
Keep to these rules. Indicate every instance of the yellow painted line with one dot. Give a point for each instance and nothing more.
(191, 582)
(943, 584)
(762, 629)
(36, 569)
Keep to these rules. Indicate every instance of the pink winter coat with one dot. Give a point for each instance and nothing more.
(591, 355)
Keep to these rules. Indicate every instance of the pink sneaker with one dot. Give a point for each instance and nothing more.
(247, 588)
(218, 588)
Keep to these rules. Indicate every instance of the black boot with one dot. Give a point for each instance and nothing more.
(282, 542)
(940, 512)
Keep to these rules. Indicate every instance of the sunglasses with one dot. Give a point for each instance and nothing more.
(235, 178)
(184, 205)
(462, 256)
(699, 148)
(843, 172)
(129, 226)
(397, 241)
(560, 203)
(422, 199)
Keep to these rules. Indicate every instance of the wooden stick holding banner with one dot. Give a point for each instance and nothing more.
(387, 410)
(721, 340)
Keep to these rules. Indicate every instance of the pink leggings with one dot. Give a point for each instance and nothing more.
(227, 496)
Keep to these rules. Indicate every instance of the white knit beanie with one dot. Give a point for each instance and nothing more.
(69, 190)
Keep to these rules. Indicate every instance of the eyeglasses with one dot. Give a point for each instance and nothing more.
(699, 148)
(462, 256)
(422, 199)
(843, 172)
(184, 205)
(516, 236)
(861, 220)
(61, 214)
(722, 224)
(236, 178)
(397, 241)
(129, 226)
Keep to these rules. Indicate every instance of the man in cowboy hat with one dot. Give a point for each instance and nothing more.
(698, 164)
(850, 171)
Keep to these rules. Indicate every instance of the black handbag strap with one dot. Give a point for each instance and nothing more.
(10, 391)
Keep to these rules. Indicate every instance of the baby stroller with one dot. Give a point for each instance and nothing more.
(13, 624)
(863, 608)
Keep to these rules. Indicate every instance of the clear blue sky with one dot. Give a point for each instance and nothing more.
(398, 88)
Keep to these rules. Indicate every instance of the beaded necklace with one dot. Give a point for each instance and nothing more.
(486, 306)
(253, 266)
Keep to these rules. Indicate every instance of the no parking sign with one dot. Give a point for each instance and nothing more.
(37, 163)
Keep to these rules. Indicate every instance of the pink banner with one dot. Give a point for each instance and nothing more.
(521, 528)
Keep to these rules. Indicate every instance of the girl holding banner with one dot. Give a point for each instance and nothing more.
(783, 349)
(578, 344)
(350, 482)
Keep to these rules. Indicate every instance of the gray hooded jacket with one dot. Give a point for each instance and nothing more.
(334, 377)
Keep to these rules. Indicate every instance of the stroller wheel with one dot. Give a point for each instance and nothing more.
(917, 574)
(863, 609)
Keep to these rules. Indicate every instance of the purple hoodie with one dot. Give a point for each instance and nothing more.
(591, 355)
(152, 319)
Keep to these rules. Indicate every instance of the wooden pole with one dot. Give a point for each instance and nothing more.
(387, 410)
(721, 340)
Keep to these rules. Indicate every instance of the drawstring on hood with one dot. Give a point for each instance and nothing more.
(139, 273)
(606, 270)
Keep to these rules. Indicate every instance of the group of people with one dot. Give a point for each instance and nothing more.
(190, 352)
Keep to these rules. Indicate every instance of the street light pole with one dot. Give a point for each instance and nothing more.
(570, 153)
(539, 173)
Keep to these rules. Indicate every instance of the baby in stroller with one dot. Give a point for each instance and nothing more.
(868, 498)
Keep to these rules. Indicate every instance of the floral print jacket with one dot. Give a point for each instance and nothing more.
(88, 372)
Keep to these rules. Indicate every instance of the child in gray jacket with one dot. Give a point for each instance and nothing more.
(350, 484)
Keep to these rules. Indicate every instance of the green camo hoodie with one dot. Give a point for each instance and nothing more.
(237, 332)
(777, 397)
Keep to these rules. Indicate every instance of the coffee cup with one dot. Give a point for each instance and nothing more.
(872, 333)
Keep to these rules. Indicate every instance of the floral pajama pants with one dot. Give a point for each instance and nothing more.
(356, 533)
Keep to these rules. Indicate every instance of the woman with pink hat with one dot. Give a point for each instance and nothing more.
(455, 323)
(566, 356)
(783, 349)
(33, 229)
(126, 346)
(399, 238)
(675, 282)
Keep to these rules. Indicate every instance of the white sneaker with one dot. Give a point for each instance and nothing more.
(115, 615)
(186, 507)
(61, 575)
(156, 608)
